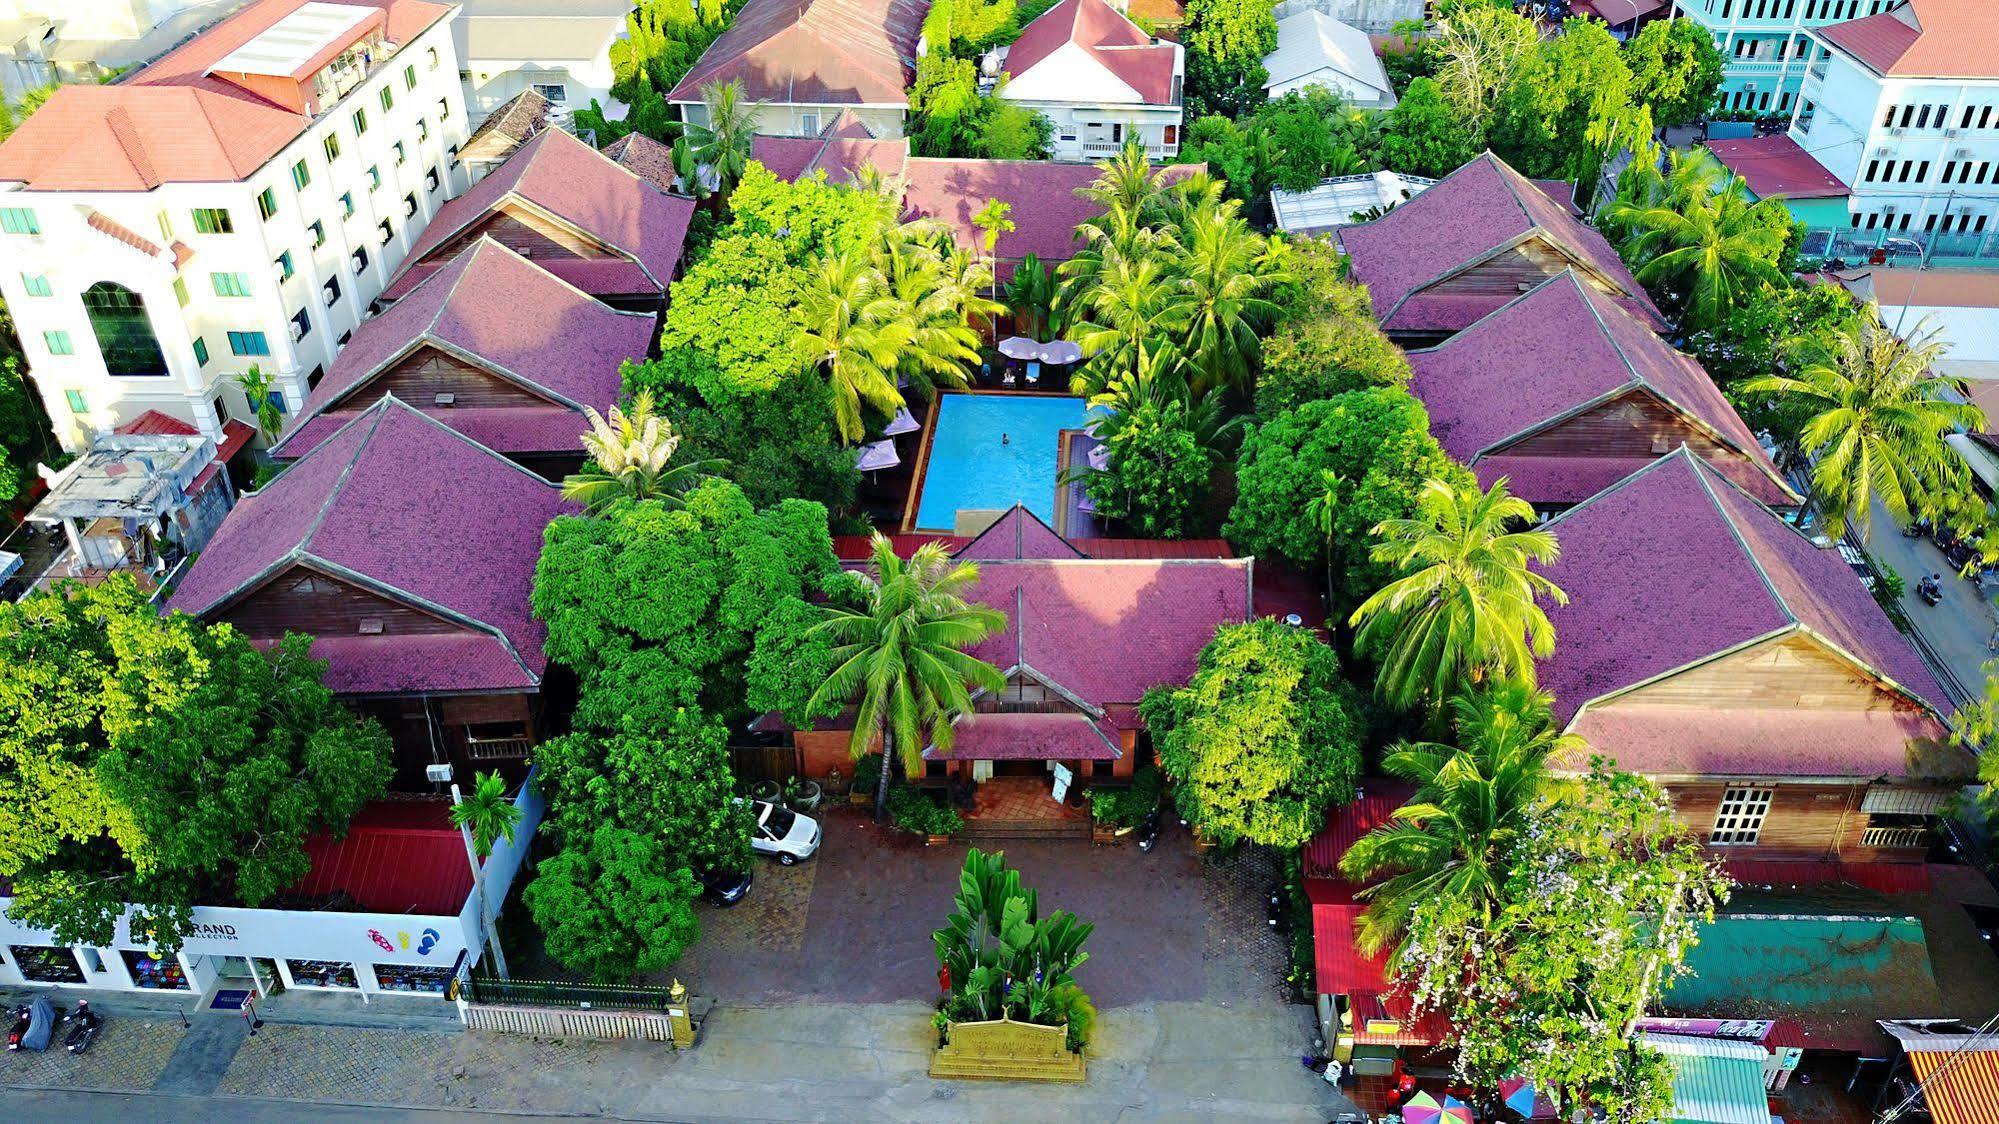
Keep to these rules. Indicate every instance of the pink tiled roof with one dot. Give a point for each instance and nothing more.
(645, 158)
(574, 182)
(570, 350)
(1017, 534)
(1475, 211)
(1558, 349)
(1924, 39)
(814, 52)
(1070, 736)
(1774, 164)
(1704, 741)
(1107, 36)
(1554, 479)
(154, 422)
(418, 513)
(172, 122)
(1675, 566)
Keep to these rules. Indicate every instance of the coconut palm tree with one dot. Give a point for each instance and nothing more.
(993, 220)
(256, 387)
(1880, 414)
(1466, 606)
(1709, 248)
(1127, 187)
(939, 289)
(855, 330)
(900, 656)
(722, 143)
(1472, 799)
(631, 457)
(1030, 296)
(1227, 274)
(1125, 315)
(485, 818)
(1323, 509)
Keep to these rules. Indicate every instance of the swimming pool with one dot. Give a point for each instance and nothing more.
(991, 451)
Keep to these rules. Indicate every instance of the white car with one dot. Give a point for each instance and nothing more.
(783, 832)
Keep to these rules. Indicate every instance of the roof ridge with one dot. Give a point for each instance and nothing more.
(340, 481)
(1468, 328)
(1741, 540)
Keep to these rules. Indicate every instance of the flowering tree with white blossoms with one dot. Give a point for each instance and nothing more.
(1606, 895)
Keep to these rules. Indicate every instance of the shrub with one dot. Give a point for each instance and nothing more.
(1070, 1005)
(1126, 807)
(914, 811)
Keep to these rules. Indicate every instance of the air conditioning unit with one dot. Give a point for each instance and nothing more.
(1950, 132)
(1897, 131)
(1883, 150)
(1888, 210)
(1959, 153)
(298, 333)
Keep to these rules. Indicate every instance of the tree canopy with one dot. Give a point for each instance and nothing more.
(612, 906)
(162, 762)
(1265, 736)
(1226, 43)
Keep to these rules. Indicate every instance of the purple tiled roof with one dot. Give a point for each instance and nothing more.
(814, 52)
(1560, 348)
(1687, 741)
(570, 351)
(1017, 534)
(1676, 565)
(1468, 214)
(1000, 736)
(416, 512)
(578, 184)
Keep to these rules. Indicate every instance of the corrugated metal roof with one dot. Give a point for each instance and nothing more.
(1959, 1088)
(1715, 1081)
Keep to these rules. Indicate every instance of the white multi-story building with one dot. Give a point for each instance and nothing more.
(1099, 79)
(44, 41)
(239, 202)
(561, 49)
(1903, 108)
(1766, 43)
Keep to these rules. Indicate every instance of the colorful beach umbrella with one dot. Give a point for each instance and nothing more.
(1520, 1095)
(1422, 1109)
(1455, 1111)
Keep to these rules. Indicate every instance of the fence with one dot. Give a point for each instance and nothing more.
(1907, 248)
(481, 988)
(753, 763)
(651, 1026)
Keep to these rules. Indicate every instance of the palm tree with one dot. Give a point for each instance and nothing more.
(1451, 838)
(256, 387)
(483, 819)
(1465, 608)
(1709, 247)
(1127, 187)
(1030, 296)
(901, 655)
(938, 289)
(852, 329)
(1227, 274)
(631, 455)
(1880, 416)
(993, 220)
(1323, 510)
(1122, 318)
(722, 144)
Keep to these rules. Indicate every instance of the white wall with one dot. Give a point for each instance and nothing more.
(792, 119)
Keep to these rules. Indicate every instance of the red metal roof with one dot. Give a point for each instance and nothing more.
(1885, 878)
(1924, 38)
(1777, 165)
(401, 857)
(154, 423)
(1371, 807)
(1384, 1020)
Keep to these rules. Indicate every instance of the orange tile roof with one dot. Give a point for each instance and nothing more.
(1924, 39)
(172, 122)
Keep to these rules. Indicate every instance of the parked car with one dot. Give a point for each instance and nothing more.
(783, 832)
(724, 887)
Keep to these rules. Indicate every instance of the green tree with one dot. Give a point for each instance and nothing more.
(486, 817)
(1480, 52)
(1263, 739)
(852, 330)
(162, 762)
(256, 388)
(1605, 893)
(900, 657)
(612, 906)
(24, 429)
(1376, 441)
(1226, 43)
(1708, 250)
(1329, 344)
(1551, 118)
(790, 658)
(1473, 798)
(666, 778)
(1975, 726)
(1158, 474)
(1879, 415)
(1424, 136)
(993, 220)
(631, 458)
(722, 141)
(1675, 69)
(1465, 607)
(1227, 275)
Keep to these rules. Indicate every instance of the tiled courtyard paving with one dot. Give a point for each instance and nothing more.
(128, 1054)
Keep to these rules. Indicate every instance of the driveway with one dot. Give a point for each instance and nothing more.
(853, 924)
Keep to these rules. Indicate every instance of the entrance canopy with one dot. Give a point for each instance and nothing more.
(1714, 1081)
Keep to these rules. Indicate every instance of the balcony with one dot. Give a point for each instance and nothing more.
(498, 749)
(1895, 837)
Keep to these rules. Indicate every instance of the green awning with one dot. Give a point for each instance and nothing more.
(1715, 1081)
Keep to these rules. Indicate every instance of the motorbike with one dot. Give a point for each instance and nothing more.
(42, 1019)
(23, 1017)
(85, 1023)
(1930, 590)
(1148, 830)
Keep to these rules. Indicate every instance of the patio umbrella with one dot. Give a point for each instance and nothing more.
(1019, 347)
(1455, 1111)
(903, 422)
(1521, 1096)
(1422, 1109)
(1061, 352)
(878, 455)
(1100, 457)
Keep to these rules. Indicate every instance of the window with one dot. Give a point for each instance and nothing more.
(220, 411)
(277, 397)
(166, 227)
(180, 292)
(201, 351)
(332, 290)
(430, 56)
(284, 266)
(388, 97)
(1873, 169)
(301, 175)
(76, 407)
(248, 343)
(37, 285)
(19, 220)
(409, 77)
(58, 343)
(374, 177)
(124, 331)
(213, 220)
(388, 232)
(430, 180)
(453, 153)
(422, 129)
(1739, 820)
(409, 205)
(267, 204)
(808, 123)
(346, 204)
(401, 153)
(301, 327)
(318, 233)
(230, 284)
(443, 110)
(360, 120)
(360, 258)
(332, 146)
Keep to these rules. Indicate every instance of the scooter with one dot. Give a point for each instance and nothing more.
(23, 1017)
(1930, 590)
(85, 1025)
(1148, 830)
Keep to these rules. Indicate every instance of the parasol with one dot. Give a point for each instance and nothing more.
(1019, 347)
(1060, 352)
(1519, 1094)
(903, 422)
(1100, 457)
(1422, 1109)
(878, 455)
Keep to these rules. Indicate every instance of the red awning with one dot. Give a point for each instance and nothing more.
(1384, 1019)
(400, 857)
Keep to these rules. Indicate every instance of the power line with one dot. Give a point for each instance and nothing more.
(1973, 1044)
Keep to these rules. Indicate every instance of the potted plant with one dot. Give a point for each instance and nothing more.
(912, 810)
(803, 795)
(766, 790)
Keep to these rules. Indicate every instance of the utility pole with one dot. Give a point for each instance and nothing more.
(486, 935)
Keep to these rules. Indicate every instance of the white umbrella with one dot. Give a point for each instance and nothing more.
(878, 455)
(1019, 347)
(1100, 457)
(1061, 352)
(903, 422)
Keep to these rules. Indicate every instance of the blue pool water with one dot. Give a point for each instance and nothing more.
(970, 468)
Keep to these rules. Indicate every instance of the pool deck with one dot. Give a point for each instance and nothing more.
(1066, 496)
(1072, 519)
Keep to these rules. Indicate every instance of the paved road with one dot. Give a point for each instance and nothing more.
(1959, 629)
(129, 1108)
